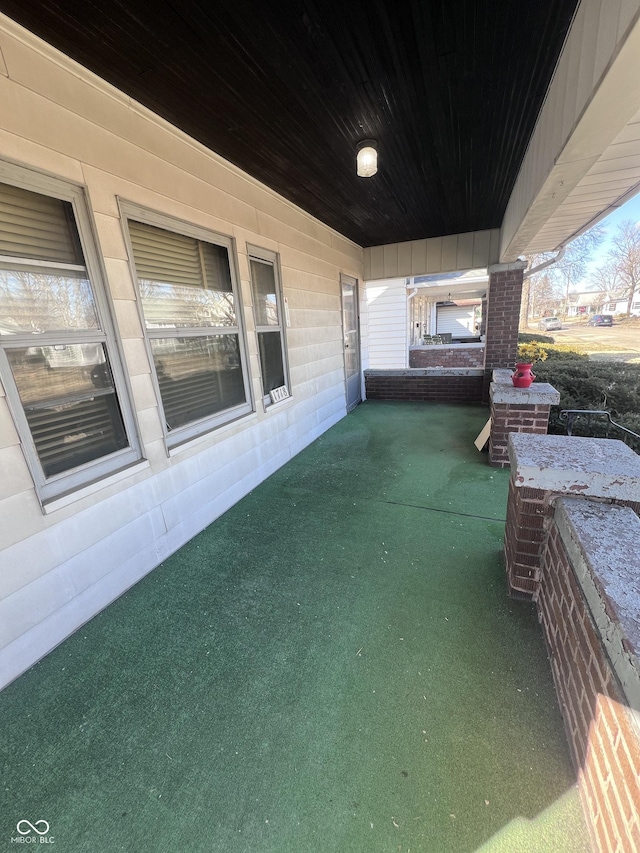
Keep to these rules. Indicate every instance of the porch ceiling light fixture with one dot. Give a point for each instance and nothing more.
(367, 158)
(448, 301)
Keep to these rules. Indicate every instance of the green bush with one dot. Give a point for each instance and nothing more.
(585, 384)
(526, 338)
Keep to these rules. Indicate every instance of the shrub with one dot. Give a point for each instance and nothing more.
(584, 384)
(526, 338)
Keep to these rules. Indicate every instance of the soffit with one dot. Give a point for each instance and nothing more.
(450, 91)
(607, 185)
(595, 169)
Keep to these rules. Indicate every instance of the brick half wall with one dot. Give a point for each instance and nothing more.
(445, 356)
(431, 385)
(587, 609)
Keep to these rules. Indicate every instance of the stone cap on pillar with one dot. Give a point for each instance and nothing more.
(570, 465)
(502, 390)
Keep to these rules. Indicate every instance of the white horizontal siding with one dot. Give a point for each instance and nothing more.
(451, 253)
(57, 569)
(387, 324)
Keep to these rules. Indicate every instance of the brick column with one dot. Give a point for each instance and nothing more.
(503, 317)
(544, 467)
(516, 410)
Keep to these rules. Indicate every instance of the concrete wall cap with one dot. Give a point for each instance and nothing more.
(427, 371)
(449, 347)
(601, 542)
(502, 375)
(595, 467)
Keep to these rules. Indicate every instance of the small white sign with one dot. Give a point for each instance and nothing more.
(278, 394)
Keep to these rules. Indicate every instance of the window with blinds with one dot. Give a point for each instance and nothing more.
(56, 342)
(188, 295)
(270, 329)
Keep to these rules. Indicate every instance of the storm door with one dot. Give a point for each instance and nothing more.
(351, 329)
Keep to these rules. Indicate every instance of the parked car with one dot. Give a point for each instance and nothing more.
(549, 324)
(601, 320)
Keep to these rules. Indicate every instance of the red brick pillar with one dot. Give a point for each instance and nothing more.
(503, 317)
(544, 467)
(516, 410)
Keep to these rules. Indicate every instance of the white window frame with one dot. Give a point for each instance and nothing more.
(175, 437)
(255, 253)
(66, 482)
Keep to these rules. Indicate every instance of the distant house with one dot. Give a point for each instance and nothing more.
(618, 304)
(584, 302)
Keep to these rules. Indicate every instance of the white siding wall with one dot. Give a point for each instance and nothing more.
(452, 253)
(59, 568)
(387, 324)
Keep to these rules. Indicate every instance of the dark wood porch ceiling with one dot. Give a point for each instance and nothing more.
(450, 89)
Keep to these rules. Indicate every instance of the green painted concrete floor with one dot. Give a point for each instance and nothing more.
(333, 665)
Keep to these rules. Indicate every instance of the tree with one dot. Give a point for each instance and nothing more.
(544, 300)
(572, 267)
(539, 293)
(547, 292)
(624, 258)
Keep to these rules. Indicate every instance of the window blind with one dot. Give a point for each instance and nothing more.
(165, 256)
(171, 258)
(37, 227)
(72, 434)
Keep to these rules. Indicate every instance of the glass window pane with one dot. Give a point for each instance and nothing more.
(271, 360)
(70, 403)
(45, 301)
(198, 377)
(264, 294)
(183, 282)
(170, 306)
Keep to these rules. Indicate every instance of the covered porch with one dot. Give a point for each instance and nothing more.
(333, 665)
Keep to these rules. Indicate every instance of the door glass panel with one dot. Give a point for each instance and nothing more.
(198, 376)
(70, 403)
(350, 320)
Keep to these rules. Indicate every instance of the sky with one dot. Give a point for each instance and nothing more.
(630, 210)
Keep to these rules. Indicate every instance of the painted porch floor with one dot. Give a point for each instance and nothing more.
(331, 666)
